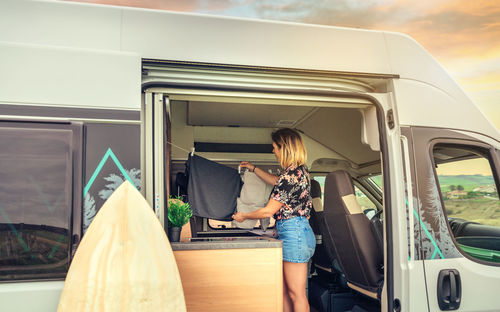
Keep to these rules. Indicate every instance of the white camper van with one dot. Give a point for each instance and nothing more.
(407, 168)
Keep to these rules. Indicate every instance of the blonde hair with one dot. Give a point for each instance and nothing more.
(292, 151)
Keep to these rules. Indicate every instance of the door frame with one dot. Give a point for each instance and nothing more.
(389, 140)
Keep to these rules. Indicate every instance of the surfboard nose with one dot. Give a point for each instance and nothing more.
(124, 261)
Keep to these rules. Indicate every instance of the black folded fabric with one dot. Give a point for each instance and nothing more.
(212, 188)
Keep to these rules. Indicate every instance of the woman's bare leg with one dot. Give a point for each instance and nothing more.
(287, 302)
(295, 275)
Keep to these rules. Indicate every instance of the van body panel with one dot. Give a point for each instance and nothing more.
(52, 76)
(270, 44)
(421, 68)
(479, 284)
(395, 258)
(422, 104)
(411, 199)
(417, 291)
(493, 141)
(55, 23)
(31, 296)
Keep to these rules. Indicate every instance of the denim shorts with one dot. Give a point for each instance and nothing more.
(298, 239)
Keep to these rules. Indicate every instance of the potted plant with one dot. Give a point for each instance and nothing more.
(179, 214)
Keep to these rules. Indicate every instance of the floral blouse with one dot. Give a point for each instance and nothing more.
(293, 190)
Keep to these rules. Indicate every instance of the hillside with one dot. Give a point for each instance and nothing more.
(469, 182)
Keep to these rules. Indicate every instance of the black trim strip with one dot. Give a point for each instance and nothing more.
(232, 148)
(389, 265)
(68, 112)
(235, 67)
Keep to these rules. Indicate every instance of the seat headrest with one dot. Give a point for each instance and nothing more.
(339, 194)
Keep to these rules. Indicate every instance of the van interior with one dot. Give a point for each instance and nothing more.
(344, 160)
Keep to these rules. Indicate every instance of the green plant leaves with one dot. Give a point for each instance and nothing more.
(179, 212)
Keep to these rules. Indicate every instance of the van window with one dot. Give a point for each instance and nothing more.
(364, 201)
(35, 202)
(377, 180)
(470, 197)
(216, 224)
(321, 181)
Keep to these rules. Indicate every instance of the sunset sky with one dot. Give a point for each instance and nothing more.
(463, 35)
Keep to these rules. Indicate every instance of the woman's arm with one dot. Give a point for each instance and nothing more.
(265, 176)
(271, 208)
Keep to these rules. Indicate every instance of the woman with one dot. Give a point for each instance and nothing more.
(290, 204)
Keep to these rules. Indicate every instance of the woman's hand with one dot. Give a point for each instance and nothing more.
(239, 217)
(270, 179)
(271, 208)
(247, 164)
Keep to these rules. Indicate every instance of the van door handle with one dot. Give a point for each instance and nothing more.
(449, 290)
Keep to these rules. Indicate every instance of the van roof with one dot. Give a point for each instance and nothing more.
(164, 35)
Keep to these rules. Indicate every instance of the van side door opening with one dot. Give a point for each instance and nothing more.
(209, 112)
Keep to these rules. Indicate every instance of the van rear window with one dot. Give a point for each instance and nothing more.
(35, 202)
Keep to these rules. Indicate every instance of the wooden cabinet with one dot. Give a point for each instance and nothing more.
(247, 279)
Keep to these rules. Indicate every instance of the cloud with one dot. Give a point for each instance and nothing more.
(457, 34)
(451, 28)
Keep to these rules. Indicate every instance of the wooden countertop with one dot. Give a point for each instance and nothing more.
(241, 242)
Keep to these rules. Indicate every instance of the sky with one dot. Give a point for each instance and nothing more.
(463, 35)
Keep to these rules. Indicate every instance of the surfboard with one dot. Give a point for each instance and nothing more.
(124, 261)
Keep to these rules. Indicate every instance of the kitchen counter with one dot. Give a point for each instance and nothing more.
(208, 243)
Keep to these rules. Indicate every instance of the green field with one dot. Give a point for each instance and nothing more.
(477, 207)
(377, 180)
(469, 182)
(481, 210)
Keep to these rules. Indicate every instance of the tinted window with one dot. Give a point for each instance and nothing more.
(470, 196)
(377, 180)
(321, 181)
(112, 155)
(364, 201)
(216, 224)
(35, 202)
